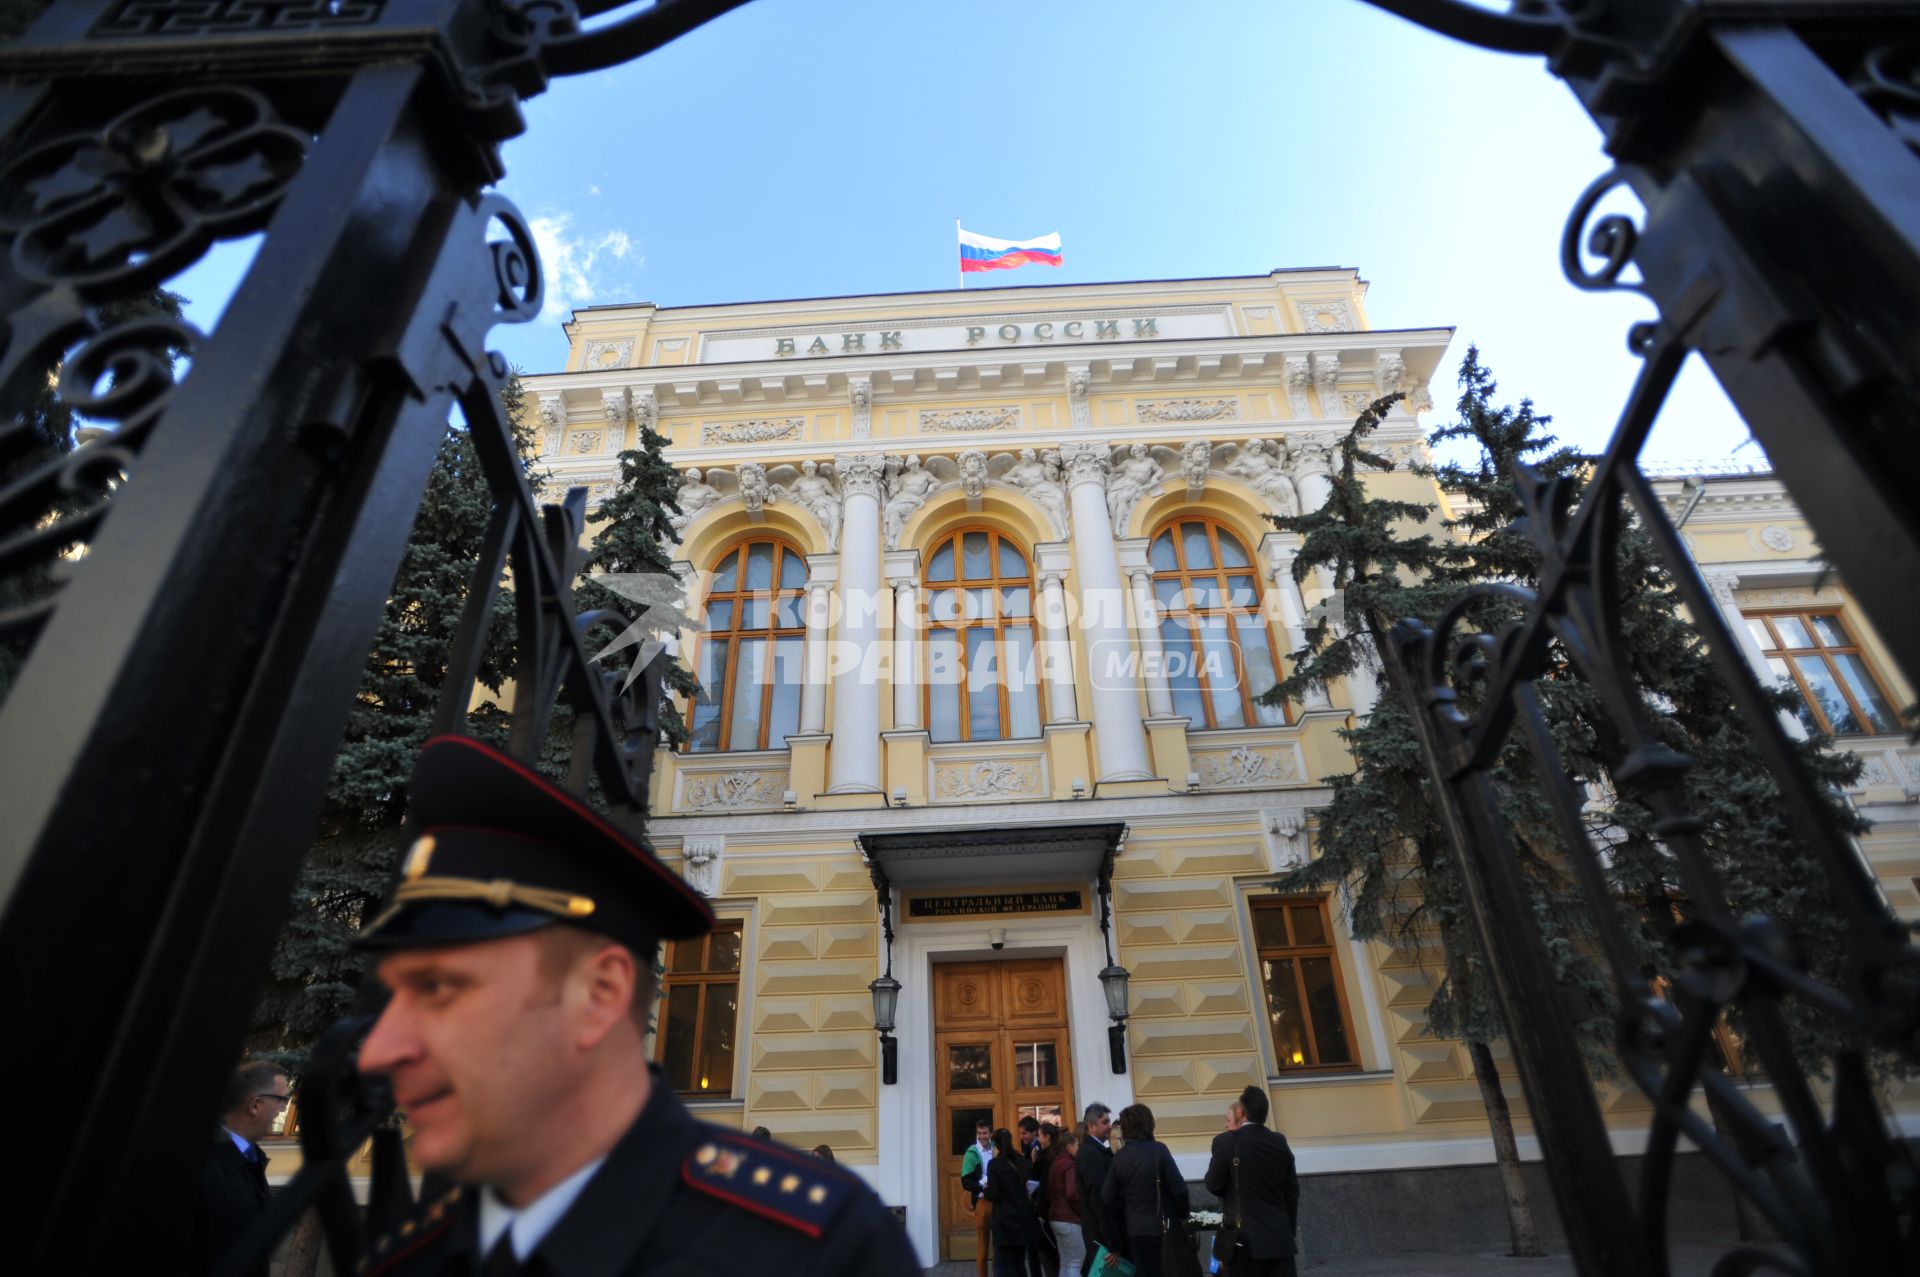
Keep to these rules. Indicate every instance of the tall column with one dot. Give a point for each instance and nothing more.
(813, 693)
(1118, 735)
(1153, 660)
(1281, 548)
(906, 652)
(1722, 584)
(1056, 656)
(1312, 470)
(854, 761)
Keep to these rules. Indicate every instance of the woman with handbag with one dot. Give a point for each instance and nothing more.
(1013, 1216)
(1143, 1190)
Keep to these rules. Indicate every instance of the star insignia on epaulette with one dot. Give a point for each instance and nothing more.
(775, 1183)
(386, 1247)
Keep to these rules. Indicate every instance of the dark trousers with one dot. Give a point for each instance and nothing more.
(1146, 1254)
(1009, 1261)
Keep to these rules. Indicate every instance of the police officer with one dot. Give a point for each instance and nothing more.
(517, 947)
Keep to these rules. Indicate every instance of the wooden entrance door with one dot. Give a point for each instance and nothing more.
(1000, 1051)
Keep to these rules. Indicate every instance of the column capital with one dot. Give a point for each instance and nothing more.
(859, 474)
(1722, 582)
(822, 569)
(1086, 462)
(1280, 549)
(902, 567)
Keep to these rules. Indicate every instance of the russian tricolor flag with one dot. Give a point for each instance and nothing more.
(983, 252)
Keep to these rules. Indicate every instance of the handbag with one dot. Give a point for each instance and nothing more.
(1107, 1264)
(1177, 1257)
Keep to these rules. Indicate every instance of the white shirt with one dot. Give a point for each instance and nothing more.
(532, 1222)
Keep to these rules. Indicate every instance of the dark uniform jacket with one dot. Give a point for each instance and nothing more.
(1265, 1192)
(1142, 1188)
(679, 1198)
(1092, 1165)
(233, 1193)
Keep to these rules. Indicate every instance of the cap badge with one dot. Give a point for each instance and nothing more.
(418, 858)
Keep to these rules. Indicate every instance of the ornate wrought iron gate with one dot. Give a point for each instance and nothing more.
(163, 751)
(1776, 149)
(166, 745)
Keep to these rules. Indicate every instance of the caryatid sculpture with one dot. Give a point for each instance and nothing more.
(1041, 483)
(908, 488)
(695, 495)
(815, 494)
(1262, 465)
(1134, 474)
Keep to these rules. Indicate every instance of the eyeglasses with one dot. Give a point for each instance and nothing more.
(269, 1095)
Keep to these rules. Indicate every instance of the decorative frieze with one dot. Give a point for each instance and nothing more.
(758, 430)
(1326, 316)
(733, 791)
(987, 778)
(585, 442)
(1776, 538)
(1224, 409)
(970, 420)
(607, 354)
(1246, 766)
(1355, 402)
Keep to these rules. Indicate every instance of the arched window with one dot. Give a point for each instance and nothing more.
(753, 651)
(981, 676)
(1219, 649)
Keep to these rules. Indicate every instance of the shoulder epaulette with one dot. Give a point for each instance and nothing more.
(788, 1187)
(428, 1221)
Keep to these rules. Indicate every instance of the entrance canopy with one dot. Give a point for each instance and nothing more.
(1007, 854)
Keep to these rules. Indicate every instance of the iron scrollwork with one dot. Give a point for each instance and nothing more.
(220, 622)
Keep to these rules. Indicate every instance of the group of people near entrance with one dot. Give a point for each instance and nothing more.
(1056, 1203)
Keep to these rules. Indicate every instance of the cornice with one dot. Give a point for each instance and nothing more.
(925, 374)
(785, 828)
(1395, 431)
(1271, 283)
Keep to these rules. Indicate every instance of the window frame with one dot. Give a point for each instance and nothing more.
(960, 584)
(1330, 951)
(735, 637)
(1193, 618)
(1838, 614)
(703, 980)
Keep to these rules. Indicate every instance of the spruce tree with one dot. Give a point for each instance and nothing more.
(1381, 839)
(316, 972)
(634, 538)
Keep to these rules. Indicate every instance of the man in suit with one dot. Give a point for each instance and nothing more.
(233, 1181)
(1252, 1174)
(517, 950)
(1096, 1156)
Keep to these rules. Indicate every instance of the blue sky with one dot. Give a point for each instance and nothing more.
(817, 147)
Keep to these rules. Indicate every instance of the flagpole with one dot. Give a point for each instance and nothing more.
(957, 268)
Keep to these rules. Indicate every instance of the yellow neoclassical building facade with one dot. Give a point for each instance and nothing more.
(988, 594)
